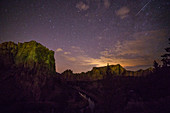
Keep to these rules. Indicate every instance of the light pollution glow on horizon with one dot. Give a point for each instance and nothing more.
(121, 49)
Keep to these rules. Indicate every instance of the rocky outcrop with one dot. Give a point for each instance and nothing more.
(98, 73)
(118, 70)
(8, 51)
(26, 68)
(140, 72)
(29, 83)
(30, 55)
(102, 71)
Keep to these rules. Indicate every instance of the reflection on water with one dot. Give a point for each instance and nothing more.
(91, 104)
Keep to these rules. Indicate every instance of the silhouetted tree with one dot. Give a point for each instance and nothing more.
(108, 72)
(155, 65)
(166, 57)
(108, 78)
(119, 68)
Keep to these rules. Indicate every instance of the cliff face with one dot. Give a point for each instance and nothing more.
(8, 51)
(29, 83)
(114, 69)
(31, 55)
(98, 73)
(25, 69)
(117, 70)
(140, 72)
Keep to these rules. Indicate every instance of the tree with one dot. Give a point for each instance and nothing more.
(155, 65)
(108, 72)
(166, 57)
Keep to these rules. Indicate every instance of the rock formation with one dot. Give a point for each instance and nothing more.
(31, 55)
(29, 83)
(26, 68)
(98, 73)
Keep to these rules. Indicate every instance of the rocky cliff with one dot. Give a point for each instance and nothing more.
(25, 68)
(98, 73)
(29, 83)
(118, 70)
(31, 55)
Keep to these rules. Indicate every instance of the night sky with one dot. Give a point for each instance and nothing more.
(88, 33)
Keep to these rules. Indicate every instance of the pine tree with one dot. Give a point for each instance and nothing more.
(155, 64)
(108, 72)
(166, 57)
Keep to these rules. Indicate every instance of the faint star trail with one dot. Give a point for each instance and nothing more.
(143, 8)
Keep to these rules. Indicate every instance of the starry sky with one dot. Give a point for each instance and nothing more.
(89, 33)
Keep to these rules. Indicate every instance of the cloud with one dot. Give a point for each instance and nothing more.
(73, 60)
(99, 38)
(137, 67)
(123, 12)
(142, 44)
(105, 53)
(101, 61)
(69, 58)
(67, 53)
(106, 3)
(82, 6)
(142, 48)
(139, 52)
(85, 5)
(59, 49)
(77, 49)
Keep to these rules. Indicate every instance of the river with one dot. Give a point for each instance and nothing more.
(91, 103)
